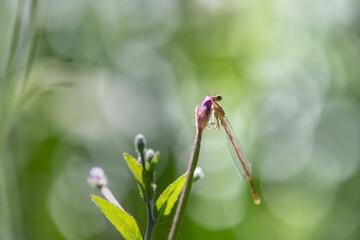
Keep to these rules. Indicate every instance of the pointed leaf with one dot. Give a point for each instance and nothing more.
(146, 190)
(152, 165)
(123, 221)
(167, 199)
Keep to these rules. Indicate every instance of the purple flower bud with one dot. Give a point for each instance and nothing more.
(97, 177)
(140, 143)
(150, 154)
(203, 115)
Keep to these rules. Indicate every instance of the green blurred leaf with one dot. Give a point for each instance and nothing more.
(146, 190)
(123, 221)
(18, 95)
(167, 199)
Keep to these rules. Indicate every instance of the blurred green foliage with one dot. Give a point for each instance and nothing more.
(79, 79)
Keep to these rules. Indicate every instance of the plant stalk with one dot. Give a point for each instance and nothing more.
(149, 202)
(185, 194)
(5, 207)
(151, 221)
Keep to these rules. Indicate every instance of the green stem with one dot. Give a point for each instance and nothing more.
(179, 215)
(13, 42)
(5, 217)
(142, 159)
(151, 221)
(33, 40)
(149, 202)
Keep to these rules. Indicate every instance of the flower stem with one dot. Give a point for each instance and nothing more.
(187, 187)
(151, 221)
(142, 157)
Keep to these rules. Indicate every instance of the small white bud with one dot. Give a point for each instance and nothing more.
(198, 174)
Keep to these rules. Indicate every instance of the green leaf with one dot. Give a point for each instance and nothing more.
(152, 165)
(167, 199)
(123, 221)
(146, 190)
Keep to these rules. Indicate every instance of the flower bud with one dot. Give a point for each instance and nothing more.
(202, 116)
(198, 174)
(150, 154)
(140, 143)
(97, 177)
(154, 186)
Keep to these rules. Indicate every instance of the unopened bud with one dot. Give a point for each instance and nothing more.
(198, 174)
(202, 116)
(150, 154)
(97, 177)
(140, 143)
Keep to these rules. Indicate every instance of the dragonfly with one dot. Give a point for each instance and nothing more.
(237, 152)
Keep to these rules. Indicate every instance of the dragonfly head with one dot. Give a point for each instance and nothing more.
(216, 98)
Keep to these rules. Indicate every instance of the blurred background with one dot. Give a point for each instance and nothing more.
(80, 79)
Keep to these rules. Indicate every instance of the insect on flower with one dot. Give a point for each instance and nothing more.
(237, 152)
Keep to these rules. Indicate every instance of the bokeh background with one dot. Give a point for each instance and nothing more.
(80, 79)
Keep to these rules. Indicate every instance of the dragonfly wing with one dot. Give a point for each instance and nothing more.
(235, 158)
